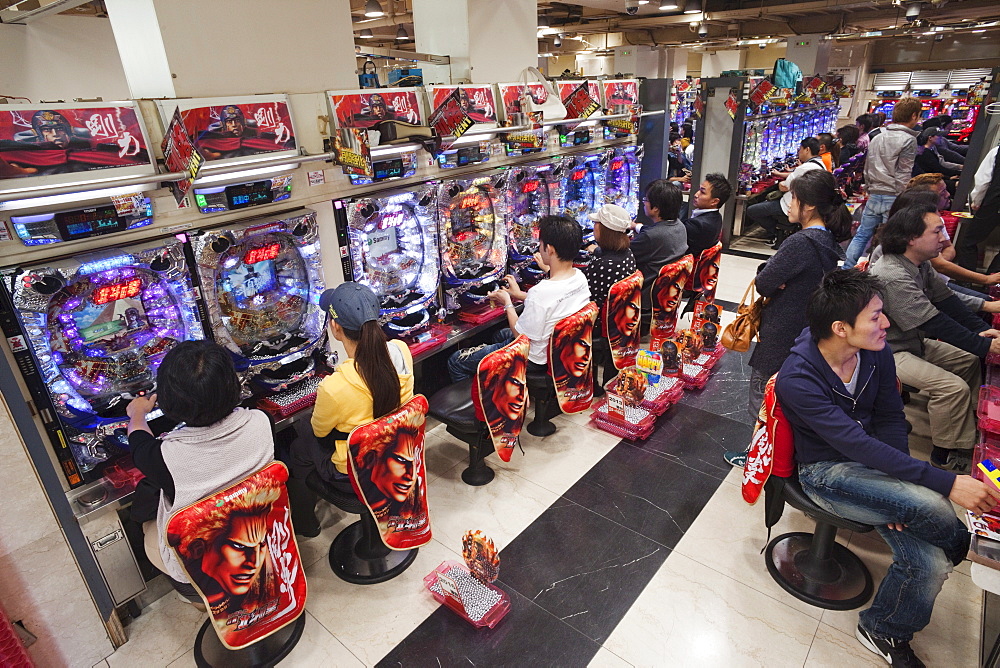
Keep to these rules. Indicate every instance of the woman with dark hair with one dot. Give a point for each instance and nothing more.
(375, 379)
(791, 276)
(847, 141)
(217, 445)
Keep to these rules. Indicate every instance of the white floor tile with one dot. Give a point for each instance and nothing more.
(165, 631)
(691, 615)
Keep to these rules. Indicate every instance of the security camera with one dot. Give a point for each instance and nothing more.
(702, 30)
(762, 46)
(631, 7)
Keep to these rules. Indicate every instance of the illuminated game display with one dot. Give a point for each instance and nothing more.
(261, 281)
(472, 239)
(96, 327)
(583, 189)
(621, 178)
(394, 251)
(532, 193)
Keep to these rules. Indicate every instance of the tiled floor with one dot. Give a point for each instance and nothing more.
(613, 554)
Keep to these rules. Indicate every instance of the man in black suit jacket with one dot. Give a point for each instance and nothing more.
(704, 224)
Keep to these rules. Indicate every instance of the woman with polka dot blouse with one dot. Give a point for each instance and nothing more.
(613, 259)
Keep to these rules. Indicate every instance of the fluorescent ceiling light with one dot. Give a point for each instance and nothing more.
(667, 5)
(245, 174)
(366, 34)
(692, 7)
(82, 196)
(373, 9)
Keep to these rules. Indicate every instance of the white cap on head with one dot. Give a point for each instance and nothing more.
(613, 217)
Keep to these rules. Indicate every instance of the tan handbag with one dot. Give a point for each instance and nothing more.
(741, 331)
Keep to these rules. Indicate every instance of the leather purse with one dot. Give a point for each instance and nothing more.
(743, 330)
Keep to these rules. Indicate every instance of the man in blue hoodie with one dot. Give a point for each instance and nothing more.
(838, 392)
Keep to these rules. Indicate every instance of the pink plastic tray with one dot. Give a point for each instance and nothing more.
(639, 430)
(694, 376)
(989, 409)
(658, 397)
(709, 358)
(490, 619)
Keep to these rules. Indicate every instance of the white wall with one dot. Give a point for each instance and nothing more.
(502, 38)
(592, 66)
(61, 58)
(216, 47)
(714, 64)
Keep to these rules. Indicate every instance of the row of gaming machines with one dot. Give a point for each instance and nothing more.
(89, 332)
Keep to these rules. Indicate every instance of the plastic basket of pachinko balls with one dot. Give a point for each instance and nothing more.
(658, 396)
(638, 423)
(989, 409)
(694, 376)
(709, 358)
(482, 604)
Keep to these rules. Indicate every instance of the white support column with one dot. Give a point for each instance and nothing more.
(441, 27)
(140, 47)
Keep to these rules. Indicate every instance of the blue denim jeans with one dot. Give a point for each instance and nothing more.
(463, 363)
(933, 542)
(875, 213)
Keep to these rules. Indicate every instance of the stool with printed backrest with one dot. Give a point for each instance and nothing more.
(388, 490)
(487, 411)
(666, 295)
(567, 383)
(237, 547)
(619, 323)
(705, 277)
(812, 567)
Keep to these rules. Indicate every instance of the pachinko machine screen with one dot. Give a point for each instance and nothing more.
(621, 178)
(393, 250)
(583, 189)
(472, 238)
(532, 194)
(261, 281)
(96, 327)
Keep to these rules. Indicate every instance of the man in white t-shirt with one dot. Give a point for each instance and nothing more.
(768, 214)
(563, 293)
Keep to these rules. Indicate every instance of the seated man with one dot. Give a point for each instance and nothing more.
(838, 392)
(704, 225)
(563, 293)
(936, 341)
(664, 239)
(768, 214)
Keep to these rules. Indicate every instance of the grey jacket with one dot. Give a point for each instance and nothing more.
(889, 163)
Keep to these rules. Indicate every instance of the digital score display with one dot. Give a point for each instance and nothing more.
(388, 169)
(581, 137)
(90, 222)
(470, 154)
(116, 291)
(262, 254)
(578, 174)
(617, 164)
(530, 186)
(249, 194)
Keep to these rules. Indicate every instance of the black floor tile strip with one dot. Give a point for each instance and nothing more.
(577, 569)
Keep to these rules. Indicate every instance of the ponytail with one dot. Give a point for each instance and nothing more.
(376, 368)
(818, 188)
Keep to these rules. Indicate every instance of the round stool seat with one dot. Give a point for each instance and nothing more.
(453, 406)
(343, 498)
(839, 582)
(209, 650)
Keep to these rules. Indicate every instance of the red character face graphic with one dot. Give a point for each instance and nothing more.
(575, 357)
(392, 474)
(626, 315)
(510, 394)
(239, 554)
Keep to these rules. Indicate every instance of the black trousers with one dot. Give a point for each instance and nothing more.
(974, 233)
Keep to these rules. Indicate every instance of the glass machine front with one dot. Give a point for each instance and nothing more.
(532, 193)
(621, 178)
(583, 190)
(472, 238)
(261, 282)
(97, 327)
(394, 251)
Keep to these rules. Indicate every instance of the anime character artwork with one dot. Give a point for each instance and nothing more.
(238, 548)
(502, 391)
(665, 295)
(237, 130)
(621, 318)
(570, 359)
(58, 140)
(388, 474)
(365, 110)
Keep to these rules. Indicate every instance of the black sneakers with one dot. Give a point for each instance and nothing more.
(896, 653)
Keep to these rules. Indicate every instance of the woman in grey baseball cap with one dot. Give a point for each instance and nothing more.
(375, 379)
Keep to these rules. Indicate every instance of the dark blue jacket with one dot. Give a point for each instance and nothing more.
(830, 425)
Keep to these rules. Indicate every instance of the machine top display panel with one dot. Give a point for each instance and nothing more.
(236, 129)
(58, 144)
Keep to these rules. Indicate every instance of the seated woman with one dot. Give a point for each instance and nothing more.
(375, 379)
(613, 258)
(218, 444)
